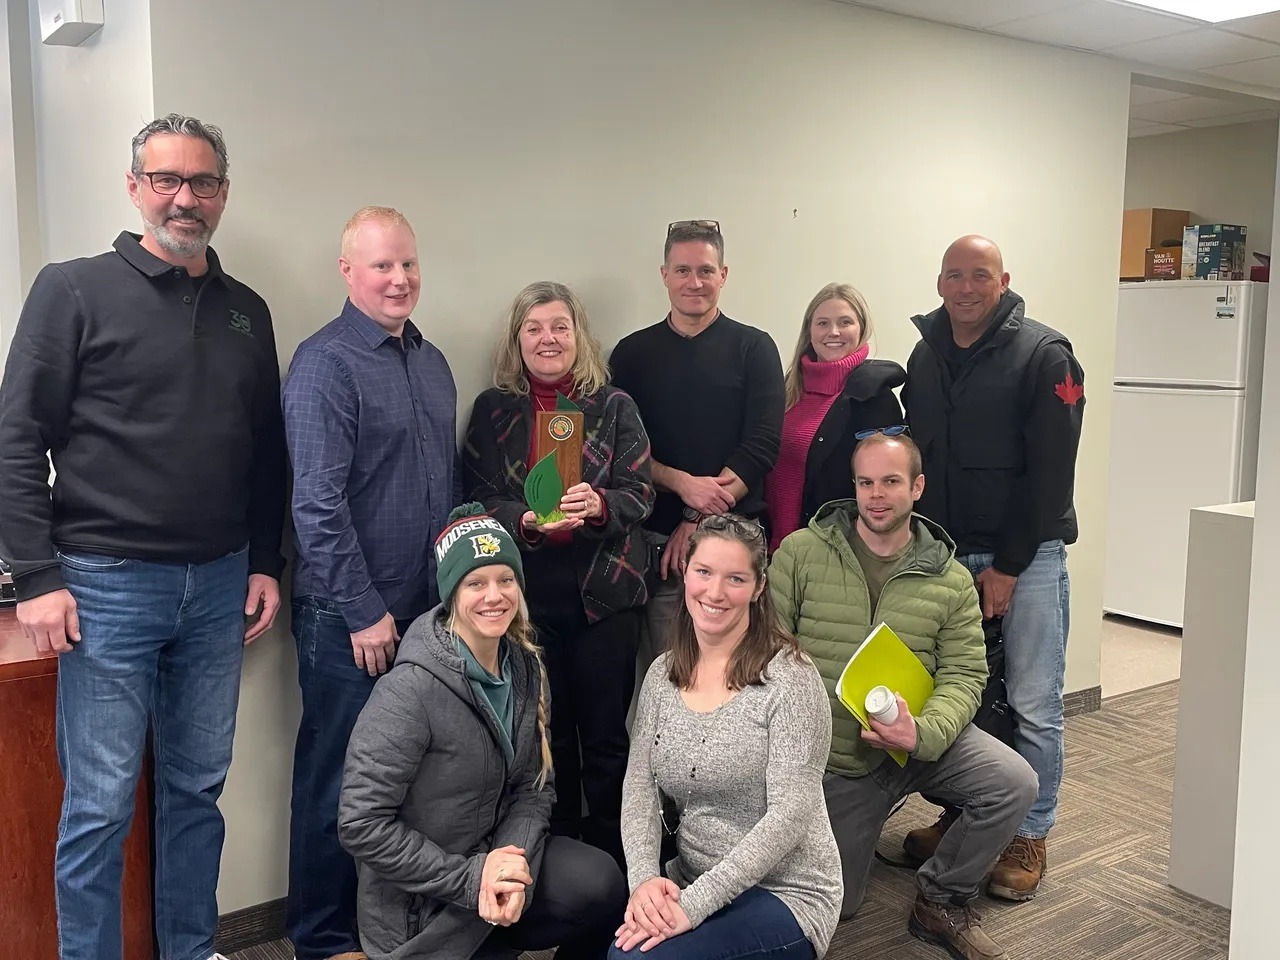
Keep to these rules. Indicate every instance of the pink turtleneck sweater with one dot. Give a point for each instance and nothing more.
(784, 487)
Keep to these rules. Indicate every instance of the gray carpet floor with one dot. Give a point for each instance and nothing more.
(1105, 896)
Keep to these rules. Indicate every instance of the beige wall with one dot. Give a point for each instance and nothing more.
(89, 102)
(1221, 174)
(11, 288)
(556, 138)
(19, 210)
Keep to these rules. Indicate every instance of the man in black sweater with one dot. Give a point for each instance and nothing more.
(150, 378)
(710, 393)
(995, 401)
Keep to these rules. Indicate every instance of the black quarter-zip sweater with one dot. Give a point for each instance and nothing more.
(157, 396)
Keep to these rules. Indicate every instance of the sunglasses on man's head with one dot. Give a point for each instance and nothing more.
(704, 224)
(897, 430)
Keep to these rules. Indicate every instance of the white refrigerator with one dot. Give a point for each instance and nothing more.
(1184, 429)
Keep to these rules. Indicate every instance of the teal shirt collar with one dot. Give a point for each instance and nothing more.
(493, 692)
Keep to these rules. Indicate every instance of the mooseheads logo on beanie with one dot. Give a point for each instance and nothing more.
(473, 539)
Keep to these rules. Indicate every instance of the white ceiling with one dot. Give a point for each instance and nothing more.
(1243, 52)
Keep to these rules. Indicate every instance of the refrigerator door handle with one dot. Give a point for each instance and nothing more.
(1164, 386)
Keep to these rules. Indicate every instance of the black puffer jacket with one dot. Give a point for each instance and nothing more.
(427, 793)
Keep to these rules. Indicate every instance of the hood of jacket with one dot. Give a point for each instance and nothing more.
(872, 377)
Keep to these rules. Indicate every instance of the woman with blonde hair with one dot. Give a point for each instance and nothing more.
(447, 789)
(732, 733)
(587, 571)
(834, 392)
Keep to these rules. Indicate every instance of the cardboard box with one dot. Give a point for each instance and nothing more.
(1144, 228)
(1163, 263)
(1214, 251)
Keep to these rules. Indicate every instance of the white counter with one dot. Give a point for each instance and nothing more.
(1207, 763)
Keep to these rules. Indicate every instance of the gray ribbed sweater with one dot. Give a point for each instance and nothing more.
(753, 812)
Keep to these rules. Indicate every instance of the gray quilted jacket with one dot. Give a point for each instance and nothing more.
(427, 793)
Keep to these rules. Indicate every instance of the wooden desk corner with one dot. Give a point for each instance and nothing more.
(31, 804)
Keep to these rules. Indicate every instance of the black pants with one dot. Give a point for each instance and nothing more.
(592, 673)
(577, 904)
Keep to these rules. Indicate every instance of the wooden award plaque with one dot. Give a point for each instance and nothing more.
(560, 432)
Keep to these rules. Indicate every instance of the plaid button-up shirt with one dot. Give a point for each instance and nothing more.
(370, 421)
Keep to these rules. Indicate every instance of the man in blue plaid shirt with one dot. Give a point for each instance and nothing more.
(369, 410)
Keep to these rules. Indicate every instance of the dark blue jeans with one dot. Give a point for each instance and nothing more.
(160, 643)
(321, 914)
(756, 925)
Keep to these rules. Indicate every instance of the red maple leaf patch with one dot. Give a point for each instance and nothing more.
(1068, 391)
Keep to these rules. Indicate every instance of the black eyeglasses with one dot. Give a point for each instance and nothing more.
(169, 184)
(897, 430)
(704, 224)
(728, 522)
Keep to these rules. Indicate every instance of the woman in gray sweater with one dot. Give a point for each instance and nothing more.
(728, 752)
(447, 792)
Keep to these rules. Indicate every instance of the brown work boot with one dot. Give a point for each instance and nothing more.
(354, 955)
(921, 844)
(956, 930)
(1018, 872)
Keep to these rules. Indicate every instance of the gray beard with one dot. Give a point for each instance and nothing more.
(180, 246)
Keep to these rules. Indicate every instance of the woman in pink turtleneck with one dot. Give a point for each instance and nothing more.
(833, 391)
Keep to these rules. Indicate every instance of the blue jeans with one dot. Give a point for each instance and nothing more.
(161, 642)
(755, 925)
(1035, 650)
(321, 914)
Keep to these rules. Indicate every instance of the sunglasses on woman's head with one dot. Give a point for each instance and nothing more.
(751, 529)
(897, 430)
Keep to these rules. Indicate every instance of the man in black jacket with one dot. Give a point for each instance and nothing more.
(995, 401)
(150, 378)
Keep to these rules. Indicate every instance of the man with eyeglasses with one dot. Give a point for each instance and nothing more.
(996, 401)
(869, 560)
(710, 393)
(150, 378)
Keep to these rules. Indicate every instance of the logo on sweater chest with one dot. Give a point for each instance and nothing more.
(240, 323)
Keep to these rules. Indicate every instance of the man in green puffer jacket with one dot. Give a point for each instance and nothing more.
(871, 559)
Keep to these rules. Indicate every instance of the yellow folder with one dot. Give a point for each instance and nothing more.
(883, 659)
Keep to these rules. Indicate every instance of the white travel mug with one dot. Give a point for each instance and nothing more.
(882, 704)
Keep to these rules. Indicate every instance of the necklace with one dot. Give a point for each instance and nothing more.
(665, 800)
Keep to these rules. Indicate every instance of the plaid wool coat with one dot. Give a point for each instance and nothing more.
(613, 556)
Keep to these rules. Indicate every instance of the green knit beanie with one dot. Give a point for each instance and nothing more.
(472, 539)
